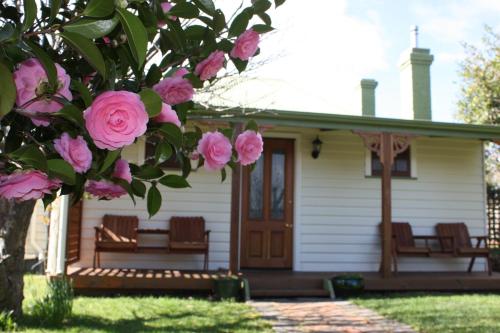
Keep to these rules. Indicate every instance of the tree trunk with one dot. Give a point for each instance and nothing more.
(14, 222)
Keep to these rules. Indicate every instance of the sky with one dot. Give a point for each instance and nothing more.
(321, 49)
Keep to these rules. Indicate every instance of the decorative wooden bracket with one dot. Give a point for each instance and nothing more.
(373, 141)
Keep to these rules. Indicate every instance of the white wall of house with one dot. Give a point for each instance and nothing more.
(336, 224)
(38, 233)
(341, 207)
(208, 197)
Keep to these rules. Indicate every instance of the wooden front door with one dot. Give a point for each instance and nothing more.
(267, 208)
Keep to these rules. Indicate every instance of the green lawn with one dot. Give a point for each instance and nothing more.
(147, 314)
(439, 313)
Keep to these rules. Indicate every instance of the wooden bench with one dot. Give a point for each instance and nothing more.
(117, 233)
(404, 244)
(456, 241)
(188, 235)
(453, 239)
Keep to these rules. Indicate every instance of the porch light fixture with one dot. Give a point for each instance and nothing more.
(316, 147)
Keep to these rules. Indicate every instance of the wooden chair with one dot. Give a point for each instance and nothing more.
(404, 245)
(115, 234)
(188, 235)
(455, 239)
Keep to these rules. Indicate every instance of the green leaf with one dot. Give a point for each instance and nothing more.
(47, 63)
(55, 5)
(196, 32)
(260, 6)
(7, 91)
(93, 28)
(138, 188)
(30, 11)
(126, 186)
(87, 49)
(154, 200)
(6, 32)
(30, 155)
(174, 181)
(154, 75)
(63, 170)
(175, 34)
(239, 64)
(206, 6)
(186, 166)
(163, 152)
(265, 18)
(239, 24)
(185, 10)
(148, 172)
(110, 158)
(228, 132)
(172, 133)
(225, 45)
(252, 125)
(262, 28)
(99, 8)
(136, 34)
(278, 3)
(219, 21)
(71, 113)
(152, 101)
(83, 90)
(223, 175)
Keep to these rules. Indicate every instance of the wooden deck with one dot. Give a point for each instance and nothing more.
(122, 280)
(271, 283)
(286, 283)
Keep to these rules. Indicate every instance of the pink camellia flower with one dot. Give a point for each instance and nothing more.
(32, 82)
(195, 156)
(174, 90)
(209, 67)
(215, 149)
(74, 151)
(246, 45)
(104, 189)
(168, 115)
(122, 170)
(249, 146)
(27, 185)
(115, 119)
(181, 72)
(166, 6)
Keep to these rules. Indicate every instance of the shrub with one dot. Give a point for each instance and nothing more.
(7, 323)
(57, 305)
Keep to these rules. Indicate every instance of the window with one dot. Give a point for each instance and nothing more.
(400, 168)
(171, 163)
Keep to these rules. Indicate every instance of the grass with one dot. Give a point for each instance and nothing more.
(439, 313)
(146, 314)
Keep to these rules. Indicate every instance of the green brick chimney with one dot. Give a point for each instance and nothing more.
(415, 65)
(368, 97)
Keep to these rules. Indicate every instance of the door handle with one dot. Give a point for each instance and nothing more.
(288, 226)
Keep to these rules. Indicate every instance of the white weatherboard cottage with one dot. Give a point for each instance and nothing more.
(319, 214)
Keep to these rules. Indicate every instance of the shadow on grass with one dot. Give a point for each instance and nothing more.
(188, 321)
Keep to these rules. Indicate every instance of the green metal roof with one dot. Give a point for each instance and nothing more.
(327, 121)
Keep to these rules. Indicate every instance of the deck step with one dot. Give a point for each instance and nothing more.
(289, 293)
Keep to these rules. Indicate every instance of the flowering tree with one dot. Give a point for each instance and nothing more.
(81, 80)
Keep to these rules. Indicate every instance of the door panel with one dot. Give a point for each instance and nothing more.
(267, 209)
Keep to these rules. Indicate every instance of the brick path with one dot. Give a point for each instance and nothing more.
(310, 315)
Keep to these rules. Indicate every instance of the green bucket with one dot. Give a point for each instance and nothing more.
(227, 288)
